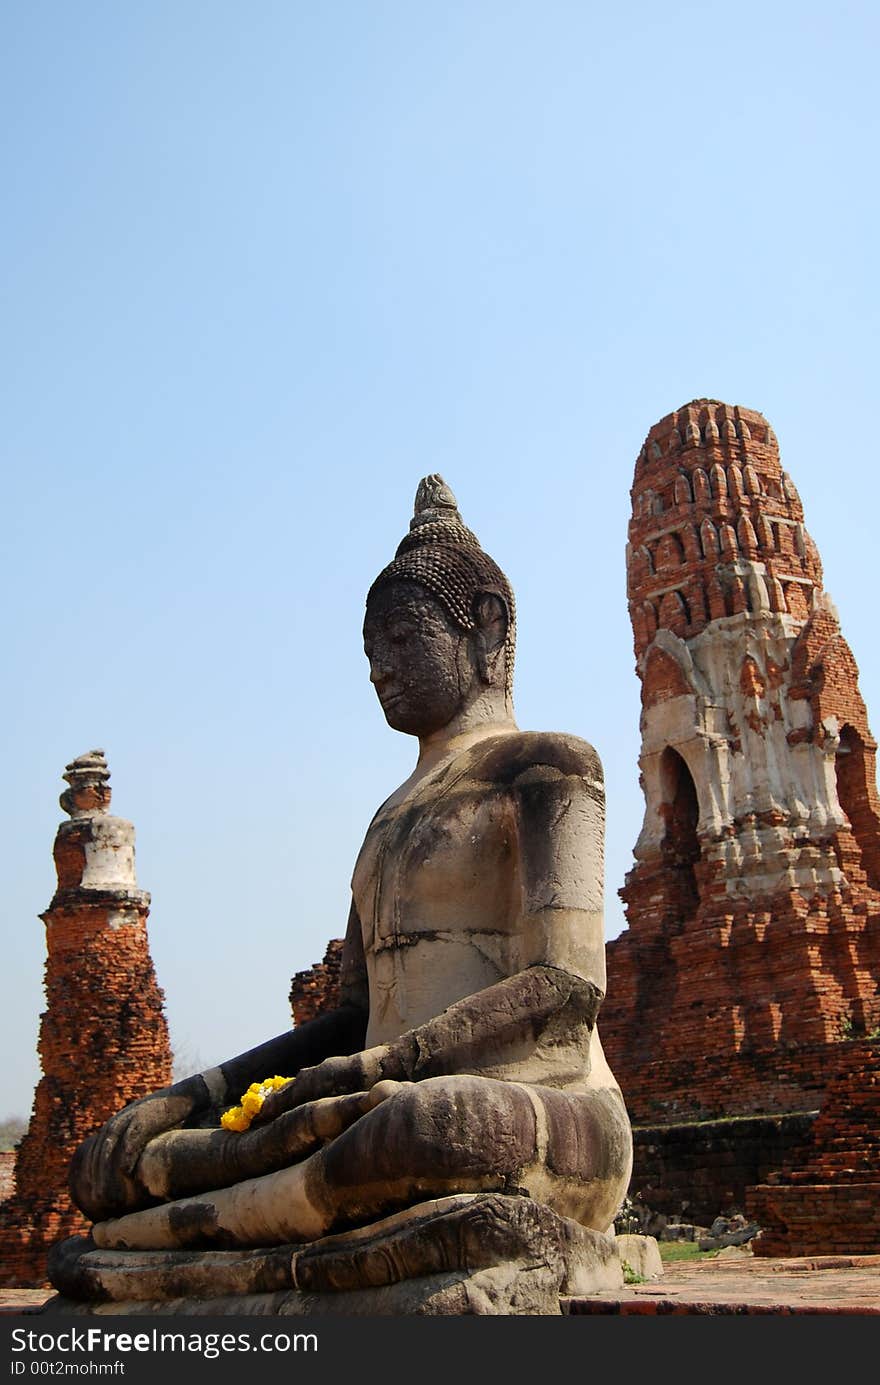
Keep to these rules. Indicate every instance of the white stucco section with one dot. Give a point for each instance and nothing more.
(732, 732)
(109, 855)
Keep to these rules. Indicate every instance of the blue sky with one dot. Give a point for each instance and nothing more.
(263, 267)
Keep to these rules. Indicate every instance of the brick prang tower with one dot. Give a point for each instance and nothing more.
(103, 1037)
(753, 945)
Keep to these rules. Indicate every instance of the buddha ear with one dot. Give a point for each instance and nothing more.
(490, 635)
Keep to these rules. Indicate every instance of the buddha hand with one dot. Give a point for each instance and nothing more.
(358, 1072)
(103, 1180)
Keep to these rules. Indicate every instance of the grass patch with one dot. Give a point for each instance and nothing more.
(684, 1250)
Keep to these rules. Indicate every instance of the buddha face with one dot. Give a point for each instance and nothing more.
(420, 661)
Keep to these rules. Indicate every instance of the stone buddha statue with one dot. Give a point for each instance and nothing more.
(461, 1083)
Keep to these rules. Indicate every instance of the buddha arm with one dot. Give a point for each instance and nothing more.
(541, 1004)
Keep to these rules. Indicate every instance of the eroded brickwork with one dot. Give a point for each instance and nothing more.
(753, 940)
(316, 989)
(826, 1198)
(103, 1036)
(699, 1170)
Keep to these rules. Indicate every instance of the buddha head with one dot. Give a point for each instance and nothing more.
(440, 624)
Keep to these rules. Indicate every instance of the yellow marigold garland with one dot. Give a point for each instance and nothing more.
(240, 1117)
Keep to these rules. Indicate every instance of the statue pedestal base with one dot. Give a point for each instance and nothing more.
(470, 1254)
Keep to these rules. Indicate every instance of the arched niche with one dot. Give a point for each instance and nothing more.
(669, 553)
(674, 614)
(680, 810)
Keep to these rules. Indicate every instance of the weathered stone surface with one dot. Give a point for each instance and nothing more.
(103, 1037)
(463, 1057)
(729, 1236)
(641, 1254)
(81, 1271)
(468, 1253)
(509, 1289)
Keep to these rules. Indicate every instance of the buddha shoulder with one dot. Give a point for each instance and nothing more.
(533, 757)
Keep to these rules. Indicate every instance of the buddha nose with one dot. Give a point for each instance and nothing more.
(379, 671)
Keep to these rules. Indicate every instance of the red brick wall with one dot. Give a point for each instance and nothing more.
(736, 1011)
(701, 1170)
(826, 1197)
(316, 989)
(663, 679)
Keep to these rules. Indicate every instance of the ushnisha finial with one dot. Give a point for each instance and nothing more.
(434, 501)
(89, 792)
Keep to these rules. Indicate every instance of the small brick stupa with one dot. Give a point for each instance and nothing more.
(103, 1037)
(752, 955)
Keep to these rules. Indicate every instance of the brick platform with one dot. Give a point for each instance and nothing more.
(819, 1285)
